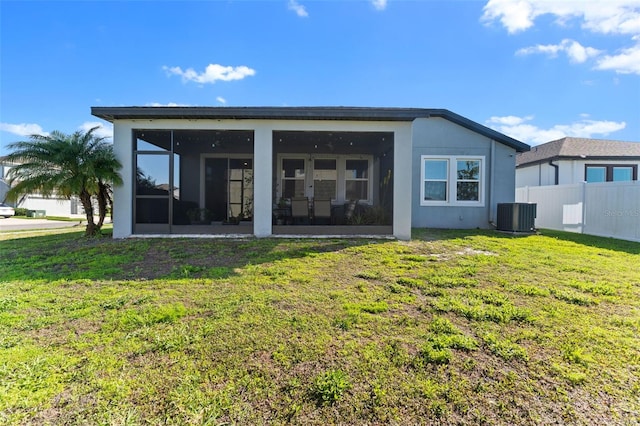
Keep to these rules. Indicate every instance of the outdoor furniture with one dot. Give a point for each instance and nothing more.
(350, 210)
(281, 215)
(322, 211)
(300, 210)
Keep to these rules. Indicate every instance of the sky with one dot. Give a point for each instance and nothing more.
(535, 70)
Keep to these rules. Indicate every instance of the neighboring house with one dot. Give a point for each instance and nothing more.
(580, 185)
(385, 170)
(4, 185)
(575, 160)
(52, 206)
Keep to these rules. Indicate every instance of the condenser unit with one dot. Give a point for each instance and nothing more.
(516, 217)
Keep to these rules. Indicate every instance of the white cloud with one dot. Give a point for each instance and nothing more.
(221, 100)
(23, 129)
(514, 15)
(520, 129)
(578, 53)
(625, 62)
(550, 49)
(299, 9)
(574, 50)
(170, 104)
(104, 130)
(601, 16)
(509, 120)
(212, 73)
(610, 17)
(379, 4)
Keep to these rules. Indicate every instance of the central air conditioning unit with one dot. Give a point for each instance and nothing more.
(516, 217)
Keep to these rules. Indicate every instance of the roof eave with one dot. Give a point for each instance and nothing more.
(258, 113)
(577, 157)
(303, 113)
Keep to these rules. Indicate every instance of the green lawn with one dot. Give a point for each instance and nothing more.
(453, 327)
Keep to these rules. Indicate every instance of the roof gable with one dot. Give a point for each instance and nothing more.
(302, 113)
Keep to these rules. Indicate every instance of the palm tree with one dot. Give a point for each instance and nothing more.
(80, 164)
(106, 167)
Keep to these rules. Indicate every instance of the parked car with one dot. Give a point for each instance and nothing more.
(6, 211)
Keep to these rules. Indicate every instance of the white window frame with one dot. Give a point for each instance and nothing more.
(341, 164)
(313, 171)
(305, 180)
(452, 180)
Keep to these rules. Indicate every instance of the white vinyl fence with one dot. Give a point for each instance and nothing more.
(608, 209)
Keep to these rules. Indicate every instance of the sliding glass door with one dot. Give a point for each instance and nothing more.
(228, 188)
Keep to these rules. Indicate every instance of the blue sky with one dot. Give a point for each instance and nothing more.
(536, 70)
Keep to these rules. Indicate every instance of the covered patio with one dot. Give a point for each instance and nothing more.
(199, 182)
(248, 171)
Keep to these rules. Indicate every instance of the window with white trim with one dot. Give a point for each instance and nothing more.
(356, 178)
(325, 178)
(436, 176)
(452, 180)
(339, 178)
(293, 177)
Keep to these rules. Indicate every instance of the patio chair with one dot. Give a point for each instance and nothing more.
(322, 211)
(350, 210)
(300, 210)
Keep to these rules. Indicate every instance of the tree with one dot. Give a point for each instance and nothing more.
(106, 166)
(80, 164)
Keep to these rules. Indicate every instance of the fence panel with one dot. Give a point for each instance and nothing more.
(609, 209)
(613, 210)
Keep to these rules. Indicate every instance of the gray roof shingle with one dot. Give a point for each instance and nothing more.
(573, 148)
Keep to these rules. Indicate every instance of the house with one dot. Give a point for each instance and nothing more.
(228, 170)
(52, 205)
(575, 160)
(4, 185)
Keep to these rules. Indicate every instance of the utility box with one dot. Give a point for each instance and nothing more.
(36, 213)
(516, 217)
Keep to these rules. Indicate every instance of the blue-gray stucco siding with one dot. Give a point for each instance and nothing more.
(437, 136)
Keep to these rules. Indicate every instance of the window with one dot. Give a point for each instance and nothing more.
(357, 180)
(325, 179)
(451, 180)
(468, 184)
(436, 174)
(339, 178)
(293, 178)
(240, 187)
(596, 174)
(610, 173)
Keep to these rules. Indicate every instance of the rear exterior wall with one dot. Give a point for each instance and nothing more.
(436, 136)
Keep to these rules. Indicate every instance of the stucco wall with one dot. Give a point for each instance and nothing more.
(536, 175)
(569, 172)
(436, 136)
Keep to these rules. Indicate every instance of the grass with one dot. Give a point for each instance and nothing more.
(453, 327)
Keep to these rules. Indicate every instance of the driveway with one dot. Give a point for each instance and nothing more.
(19, 224)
